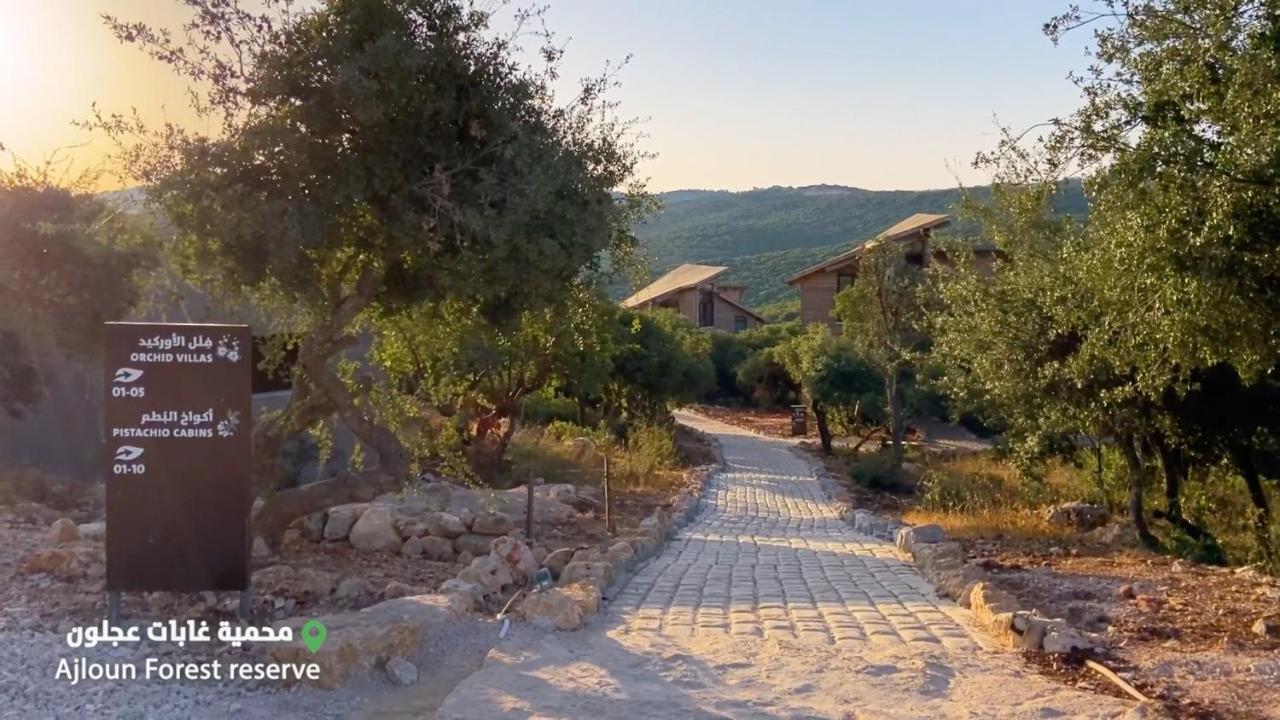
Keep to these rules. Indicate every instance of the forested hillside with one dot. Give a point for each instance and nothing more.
(766, 235)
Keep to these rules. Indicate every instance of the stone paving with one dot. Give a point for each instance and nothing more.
(769, 556)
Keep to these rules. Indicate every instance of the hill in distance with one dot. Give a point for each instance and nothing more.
(764, 236)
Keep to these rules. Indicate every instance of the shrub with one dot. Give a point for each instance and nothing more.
(878, 471)
(652, 448)
(543, 408)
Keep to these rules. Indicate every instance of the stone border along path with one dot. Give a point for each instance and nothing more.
(767, 605)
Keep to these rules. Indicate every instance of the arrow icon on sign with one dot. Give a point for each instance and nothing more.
(127, 453)
(126, 375)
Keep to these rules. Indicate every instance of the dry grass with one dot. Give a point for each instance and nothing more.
(1008, 523)
(535, 452)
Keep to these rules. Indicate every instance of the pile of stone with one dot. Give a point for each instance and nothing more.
(443, 521)
(585, 575)
(1080, 516)
(943, 563)
(74, 552)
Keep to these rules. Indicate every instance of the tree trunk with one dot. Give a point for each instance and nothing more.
(1138, 476)
(824, 430)
(1262, 508)
(897, 424)
(282, 507)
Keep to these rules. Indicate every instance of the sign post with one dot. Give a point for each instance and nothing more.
(178, 424)
(799, 420)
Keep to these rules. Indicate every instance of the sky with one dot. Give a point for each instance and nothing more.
(735, 94)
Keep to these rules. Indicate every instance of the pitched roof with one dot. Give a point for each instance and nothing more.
(918, 222)
(741, 307)
(683, 276)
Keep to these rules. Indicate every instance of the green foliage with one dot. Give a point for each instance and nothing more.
(767, 235)
(545, 407)
(661, 361)
(837, 384)
(878, 471)
(68, 263)
(745, 366)
(652, 447)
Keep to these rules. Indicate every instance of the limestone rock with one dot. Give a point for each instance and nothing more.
(93, 532)
(586, 593)
(620, 555)
(492, 523)
(579, 570)
(305, 585)
(341, 519)
(556, 560)
(74, 561)
(1059, 639)
(993, 608)
(375, 531)
(644, 546)
(413, 547)
(437, 549)
(359, 642)
(488, 574)
(313, 525)
(1268, 627)
(401, 672)
(909, 537)
(409, 527)
(552, 609)
(446, 525)
(516, 556)
(476, 545)
(353, 589)
(1081, 516)
(467, 517)
(396, 589)
(63, 531)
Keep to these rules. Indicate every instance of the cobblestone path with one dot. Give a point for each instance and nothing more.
(769, 556)
(766, 606)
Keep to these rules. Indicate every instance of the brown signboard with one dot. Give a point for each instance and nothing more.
(177, 423)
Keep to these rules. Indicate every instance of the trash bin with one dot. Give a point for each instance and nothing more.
(799, 420)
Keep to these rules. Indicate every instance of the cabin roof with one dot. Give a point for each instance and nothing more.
(680, 278)
(918, 222)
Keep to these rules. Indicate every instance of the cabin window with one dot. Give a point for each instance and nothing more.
(706, 308)
(739, 323)
(843, 280)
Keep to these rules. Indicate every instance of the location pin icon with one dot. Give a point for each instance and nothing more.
(313, 634)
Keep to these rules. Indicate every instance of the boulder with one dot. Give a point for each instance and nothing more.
(313, 525)
(413, 547)
(581, 570)
(93, 532)
(556, 560)
(492, 523)
(516, 556)
(437, 549)
(375, 531)
(476, 545)
(261, 549)
(620, 555)
(993, 608)
(305, 585)
(62, 532)
(467, 517)
(408, 526)
(643, 546)
(401, 672)
(74, 561)
(1268, 627)
(488, 574)
(909, 537)
(565, 493)
(356, 643)
(462, 595)
(552, 609)
(396, 589)
(1081, 516)
(353, 589)
(586, 593)
(341, 519)
(1061, 639)
(445, 525)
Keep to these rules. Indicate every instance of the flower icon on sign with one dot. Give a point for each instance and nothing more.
(227, 427)
(228, 349)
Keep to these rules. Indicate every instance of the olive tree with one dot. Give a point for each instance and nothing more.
(369, 156)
